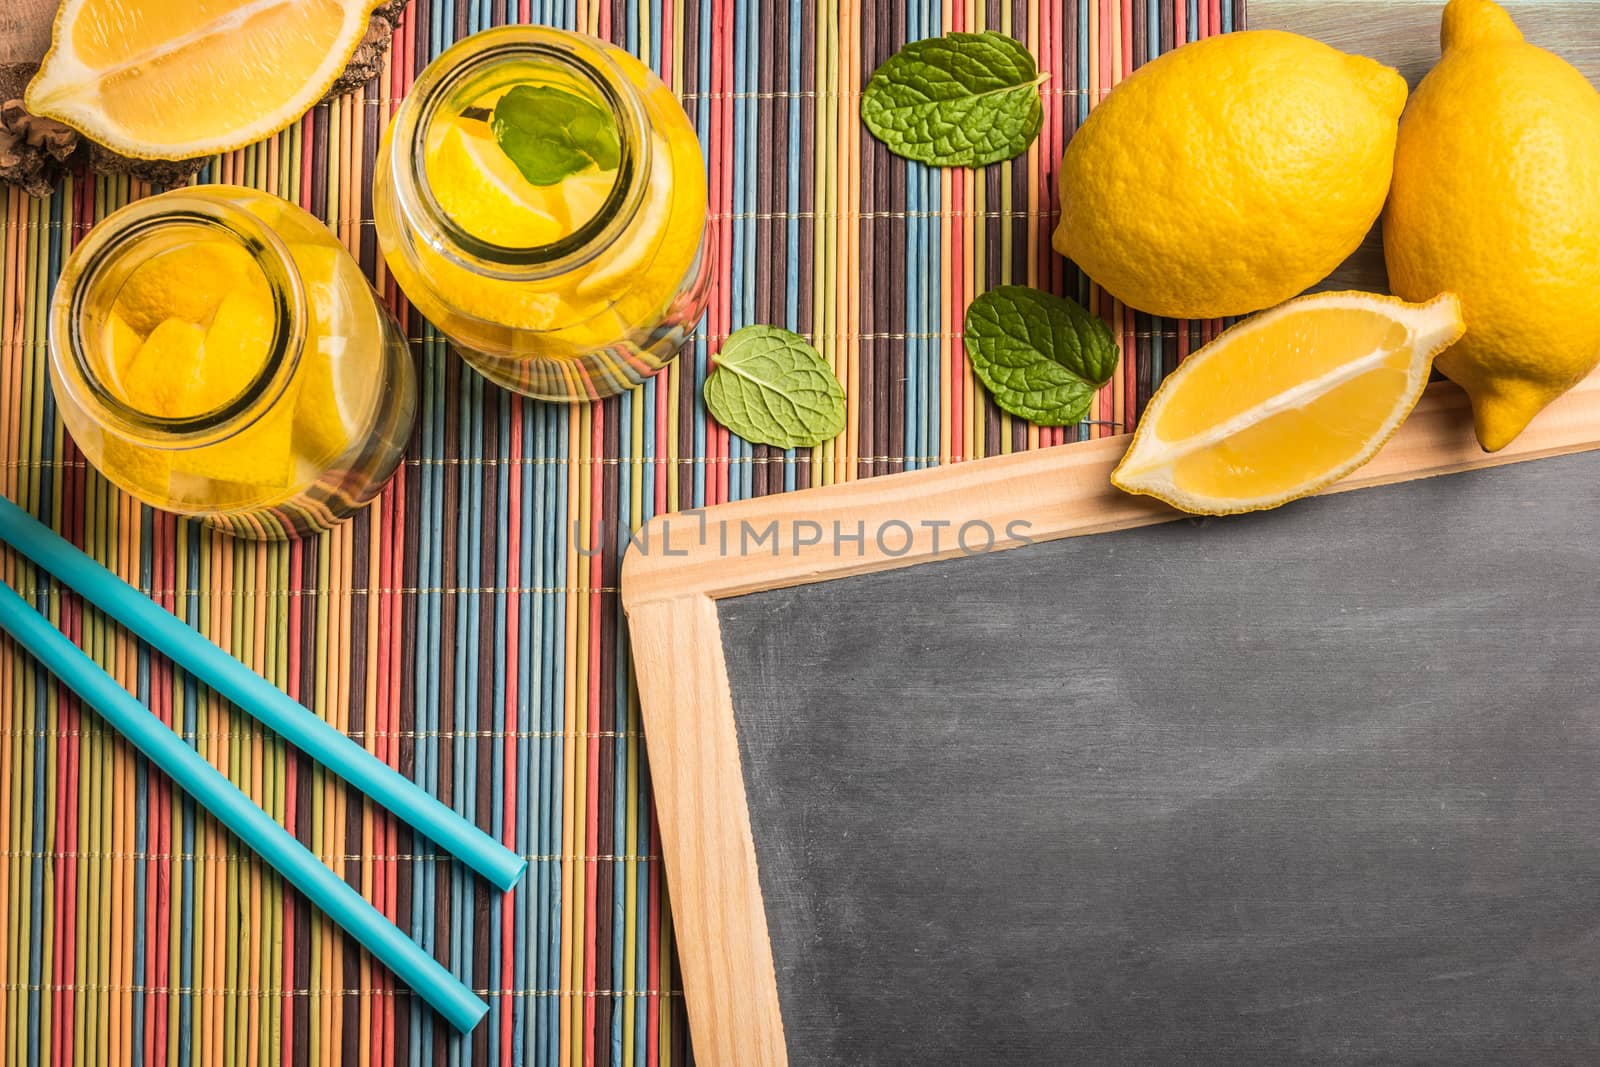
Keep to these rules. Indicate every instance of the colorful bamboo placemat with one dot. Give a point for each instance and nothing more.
(467, 627)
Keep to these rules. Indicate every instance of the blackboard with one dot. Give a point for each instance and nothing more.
(1290, 787)
(1315, 785)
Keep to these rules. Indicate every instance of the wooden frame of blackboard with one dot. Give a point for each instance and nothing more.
(680, 565)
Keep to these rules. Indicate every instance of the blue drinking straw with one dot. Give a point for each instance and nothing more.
(238, 813)
(192, 651)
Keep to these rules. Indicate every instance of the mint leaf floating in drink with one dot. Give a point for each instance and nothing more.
(550, 133)
(1042, 357)
(771, 387)
(961, 100)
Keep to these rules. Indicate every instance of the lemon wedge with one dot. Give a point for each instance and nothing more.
(582, 196)
(639, 247)
(145, 472)
(187, 282)
(237, 345)
(173, 79)
(163, 373)
(261, 455)
(282, 218)
(644, 274)
(184, 368)
(324, 413)
(478, 186)
(122, 344)
(1287, 402)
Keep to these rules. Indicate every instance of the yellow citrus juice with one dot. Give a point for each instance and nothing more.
(217, 353)
(541, 197)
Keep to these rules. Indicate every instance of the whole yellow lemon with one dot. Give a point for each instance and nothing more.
(1230, 174)
(1497, 198)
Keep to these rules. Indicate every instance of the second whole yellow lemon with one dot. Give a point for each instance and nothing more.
(1497, 198)
(1231, 174)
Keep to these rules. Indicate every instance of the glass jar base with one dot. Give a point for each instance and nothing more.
(601, 374)
(614, 369)
(337, 497)
(354, 480)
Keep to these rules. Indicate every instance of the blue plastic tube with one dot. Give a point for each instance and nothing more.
(214, 792)
(256, 696)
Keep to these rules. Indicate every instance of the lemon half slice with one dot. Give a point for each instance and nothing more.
(1286, 402)
(172, 79)
(482, 191)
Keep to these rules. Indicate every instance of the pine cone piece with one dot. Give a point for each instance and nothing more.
(33, 151)
(158, 172)
(367, 59)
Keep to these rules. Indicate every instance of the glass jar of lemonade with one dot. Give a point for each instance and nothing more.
(541, 197)
(215, 352)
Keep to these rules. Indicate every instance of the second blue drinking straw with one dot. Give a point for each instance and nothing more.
(253, 694)
(239, 813)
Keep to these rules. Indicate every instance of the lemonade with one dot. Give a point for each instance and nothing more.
(217, 353)
(541, 197)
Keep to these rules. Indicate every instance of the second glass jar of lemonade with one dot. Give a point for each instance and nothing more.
(217, 353)
(541, 197)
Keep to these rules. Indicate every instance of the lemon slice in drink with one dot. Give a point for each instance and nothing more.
(145, 472)
(237, 344)
(324, 412)
(638, 247)
(187, 282)
(481, 190)
(163, 373)
(646, 271)
(184, 369)
(1287, 402)
(583, 195)
(122, 344)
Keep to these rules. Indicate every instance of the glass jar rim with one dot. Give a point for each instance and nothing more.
(489, 48)
(100, 251)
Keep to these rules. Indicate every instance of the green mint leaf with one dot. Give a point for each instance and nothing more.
(961, 100)
(550, 133)
(1042, 357)
(771, 387)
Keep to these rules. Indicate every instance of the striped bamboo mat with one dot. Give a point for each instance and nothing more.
(467, 627)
